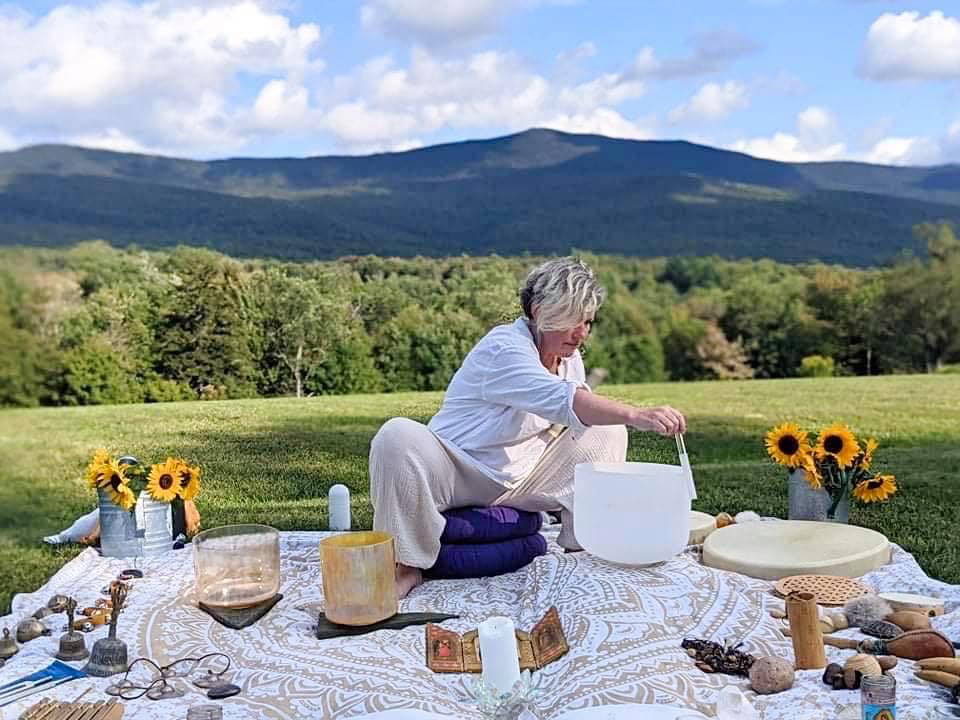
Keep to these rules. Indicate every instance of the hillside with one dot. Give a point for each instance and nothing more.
(539, 191)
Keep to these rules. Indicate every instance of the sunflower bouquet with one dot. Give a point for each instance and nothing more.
(125, 478)
(835, 462)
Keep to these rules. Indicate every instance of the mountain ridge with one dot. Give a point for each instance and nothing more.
(534, 191)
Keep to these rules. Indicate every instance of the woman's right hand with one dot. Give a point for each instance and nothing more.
(664, 420)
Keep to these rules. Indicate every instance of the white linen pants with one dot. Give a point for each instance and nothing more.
(414, 477)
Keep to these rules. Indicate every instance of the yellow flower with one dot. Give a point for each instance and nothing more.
(787, 444)
(94, 475)
(868, 450)
(813, 475)
(838, 441)
(876, 489)
(123, 496)
(189, 480)
(163, 483)
(112, 476)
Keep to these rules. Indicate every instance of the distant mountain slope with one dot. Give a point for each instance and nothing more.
(537, 191)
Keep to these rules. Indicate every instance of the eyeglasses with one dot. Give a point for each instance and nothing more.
(159, 687)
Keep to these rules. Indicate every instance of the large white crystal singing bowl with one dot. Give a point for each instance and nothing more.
(631, 513)
(774, 549)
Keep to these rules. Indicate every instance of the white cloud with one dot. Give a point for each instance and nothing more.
(111, 139)
(159, 74)
(6, 141)
(604, 121)
(904, 151)
(815, 139)
(429, 21)
(382, 103)
(281, 105)
(580, 52)
(713, 101)
(817, 126)
(910, 47)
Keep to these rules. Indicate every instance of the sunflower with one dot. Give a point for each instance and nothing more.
(163, 483)
(787, 444)
(189, 481)
(869, 447)
(94, 475)
(838, 441)
(876, 489)
(810, 467)
(123, 496)
(111, 476)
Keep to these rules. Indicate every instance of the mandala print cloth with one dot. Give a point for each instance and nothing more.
(624, 627)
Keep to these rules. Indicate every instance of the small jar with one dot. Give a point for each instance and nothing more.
(878, 697)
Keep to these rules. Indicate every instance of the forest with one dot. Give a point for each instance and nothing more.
(93, 324)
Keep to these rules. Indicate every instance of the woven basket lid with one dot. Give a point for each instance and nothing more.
(826, 589)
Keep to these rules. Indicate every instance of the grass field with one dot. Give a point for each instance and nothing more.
(271, 461)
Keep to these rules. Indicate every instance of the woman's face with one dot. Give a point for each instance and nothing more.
(565, 342)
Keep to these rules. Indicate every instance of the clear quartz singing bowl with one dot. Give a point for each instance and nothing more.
(236, 565)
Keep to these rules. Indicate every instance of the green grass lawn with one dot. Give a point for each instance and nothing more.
(271, 461)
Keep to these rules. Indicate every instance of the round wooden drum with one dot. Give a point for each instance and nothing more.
(701, 525)
(774, 549)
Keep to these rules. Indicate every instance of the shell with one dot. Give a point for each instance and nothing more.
(724, 519)
(881, 629)
(866, 665)
(839, 620)
(826, 625)
(909, 620)
(771, 675)
(887, 662)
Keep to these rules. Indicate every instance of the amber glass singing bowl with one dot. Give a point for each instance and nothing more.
(359, 577)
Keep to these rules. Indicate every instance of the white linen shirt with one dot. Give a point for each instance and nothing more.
(501, 403)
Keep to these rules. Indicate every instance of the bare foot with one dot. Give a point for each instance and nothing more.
(407, 579)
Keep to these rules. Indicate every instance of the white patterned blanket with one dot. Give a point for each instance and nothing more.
(624, 627)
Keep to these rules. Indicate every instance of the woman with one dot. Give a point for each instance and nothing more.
(516, 419)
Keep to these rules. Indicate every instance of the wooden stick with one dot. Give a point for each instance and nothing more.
(805, 632)
(835, 641)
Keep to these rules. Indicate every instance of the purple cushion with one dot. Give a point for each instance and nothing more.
(488, 524)
(486, 559)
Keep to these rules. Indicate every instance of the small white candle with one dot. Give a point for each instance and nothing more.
(498, 653)
(338, 503)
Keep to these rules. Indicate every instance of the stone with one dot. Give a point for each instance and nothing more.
(223, 691)
(771, 675)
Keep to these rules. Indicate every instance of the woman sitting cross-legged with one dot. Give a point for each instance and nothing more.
(516, 419)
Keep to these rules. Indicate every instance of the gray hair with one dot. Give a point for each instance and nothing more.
(564, 290)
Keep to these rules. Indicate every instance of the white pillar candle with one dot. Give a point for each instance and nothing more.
(338, 504)
(498, 653)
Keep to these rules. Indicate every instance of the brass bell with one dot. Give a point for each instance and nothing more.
(109, 654)
(73, 646)
(8, 646)
(30, 629)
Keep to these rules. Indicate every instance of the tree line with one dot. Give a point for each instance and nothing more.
(92, 324)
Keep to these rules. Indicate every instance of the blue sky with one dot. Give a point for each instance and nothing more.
(870, 80)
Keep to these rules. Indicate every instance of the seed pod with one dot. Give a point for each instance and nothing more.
(881, 629)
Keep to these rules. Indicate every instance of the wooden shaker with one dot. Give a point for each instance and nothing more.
(803, 616)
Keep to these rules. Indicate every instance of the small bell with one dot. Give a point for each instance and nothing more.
(73, 646)
(8, 646)
(109, 655)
